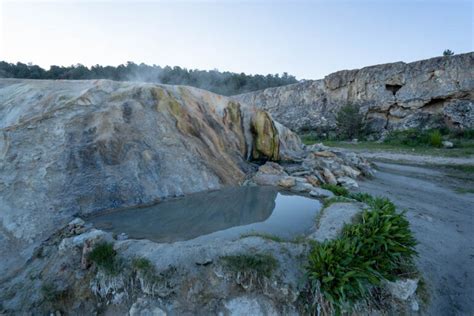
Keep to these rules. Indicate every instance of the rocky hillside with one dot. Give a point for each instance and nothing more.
(427, 93)
(76, 147)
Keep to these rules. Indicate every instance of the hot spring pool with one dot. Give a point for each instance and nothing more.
(223, 214)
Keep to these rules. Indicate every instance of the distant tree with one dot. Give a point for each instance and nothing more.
(349, 122)
(226, 83)
(448, 52)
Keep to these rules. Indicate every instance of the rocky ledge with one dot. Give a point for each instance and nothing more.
(423, 94)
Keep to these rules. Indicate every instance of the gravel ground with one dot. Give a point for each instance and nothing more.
(443, 222)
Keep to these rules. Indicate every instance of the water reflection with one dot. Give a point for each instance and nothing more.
(225, 213)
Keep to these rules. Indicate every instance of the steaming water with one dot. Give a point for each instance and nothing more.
(221, 214)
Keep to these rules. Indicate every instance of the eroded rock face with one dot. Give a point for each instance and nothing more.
(78, 147)
(426, 93)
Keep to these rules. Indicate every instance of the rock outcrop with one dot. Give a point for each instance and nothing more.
(74, 148)
(424, 94)
(78, 147)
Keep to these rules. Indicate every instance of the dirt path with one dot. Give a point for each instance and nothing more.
(411, 158)
(443, 222)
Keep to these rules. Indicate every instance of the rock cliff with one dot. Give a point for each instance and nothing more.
(77, 147)
(428, 93)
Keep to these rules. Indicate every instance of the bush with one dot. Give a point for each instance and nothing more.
(380, 246)
(448, 52)
(349, 122)
(336, 189)
(415, 137)
(436, 138)
(104, 256)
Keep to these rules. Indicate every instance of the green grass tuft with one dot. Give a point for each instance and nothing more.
(262, 264)
(336, 189)
(105, 257)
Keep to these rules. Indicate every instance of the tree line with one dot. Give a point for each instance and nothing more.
(225, 83)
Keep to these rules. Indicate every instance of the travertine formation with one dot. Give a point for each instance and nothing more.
(424, 94)
(78, 147)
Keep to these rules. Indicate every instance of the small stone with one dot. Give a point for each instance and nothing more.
(415, 306)
(313, 181)
(76, 222)
(329, 176)
(321, 193)
(402, 289)
(272, 168)
(325, 154)
(447, 144)
(347, 182)
(351, 172)
(122, 236)
(302, 187)
(287, 182)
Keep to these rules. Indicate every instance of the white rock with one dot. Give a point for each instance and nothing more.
(351, 172)
(329, 176)
(287, 182)
(76, 222)
(415, 306)
(78, 241)
(321, 193)
(447, 144)
(347, 182)
(402, 289)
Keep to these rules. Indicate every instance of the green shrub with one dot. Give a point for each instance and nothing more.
(415, 137)
(104, 256)
(336, 189)
(361, 197)
(349, 122)
(379, 246)
(436, 138)
(262, 264)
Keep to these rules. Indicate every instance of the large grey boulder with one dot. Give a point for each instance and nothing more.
(424, 94)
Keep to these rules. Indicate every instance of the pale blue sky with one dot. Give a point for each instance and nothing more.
(309, 39)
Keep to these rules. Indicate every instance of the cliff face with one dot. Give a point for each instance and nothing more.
(77, 147)
(427, 93)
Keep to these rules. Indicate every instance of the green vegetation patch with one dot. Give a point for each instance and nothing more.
(380, 245)
(262, 264)
(105, 257)
(336, 189)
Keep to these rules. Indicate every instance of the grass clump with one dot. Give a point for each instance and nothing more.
(336, 189)
(379, 246)
(105, 257)
(261, 264)
(436, 138)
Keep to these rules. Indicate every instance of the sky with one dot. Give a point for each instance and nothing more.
(308, 39)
